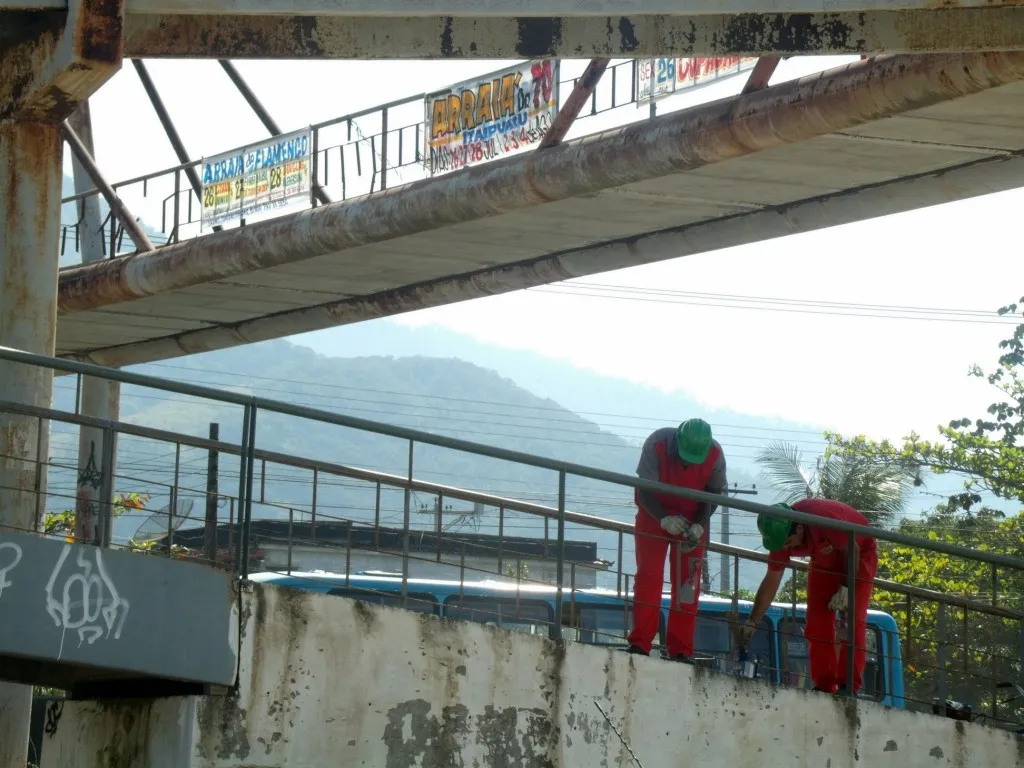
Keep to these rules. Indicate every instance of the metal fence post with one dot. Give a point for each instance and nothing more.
(384, 149)
(406, 519)
(556, 625)
(250, 465)
(107, 487)
(851, 613)
(172, 508)
(243, 457)
(942, 686)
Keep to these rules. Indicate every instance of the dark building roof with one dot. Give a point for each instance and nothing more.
(337, 533)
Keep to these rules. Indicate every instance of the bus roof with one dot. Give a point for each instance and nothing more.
(474, 588)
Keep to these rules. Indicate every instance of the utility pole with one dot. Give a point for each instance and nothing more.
(100, 398)
(212, 469)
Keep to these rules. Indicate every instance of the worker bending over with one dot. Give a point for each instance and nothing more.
(687, 457)
(826, 585)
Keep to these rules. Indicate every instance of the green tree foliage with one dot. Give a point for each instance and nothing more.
(980, 649)
(987, 451)
(878, 489)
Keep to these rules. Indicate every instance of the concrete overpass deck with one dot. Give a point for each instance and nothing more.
(876, 137)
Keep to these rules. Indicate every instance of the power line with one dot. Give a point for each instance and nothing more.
(655, 297)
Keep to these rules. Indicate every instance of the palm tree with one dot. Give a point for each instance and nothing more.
(878, 491)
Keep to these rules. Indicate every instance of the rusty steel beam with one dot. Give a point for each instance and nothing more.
(761, 73)
(980, 177)
(117, 206)
(51, 62)
(950, 28)
(569, 111)
(517, 8)
(794, 111)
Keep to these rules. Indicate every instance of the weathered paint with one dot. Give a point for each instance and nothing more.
(333, 681)
(59, 60)
(30, 184)
(975, 29)
(512, 8)
(790, 112)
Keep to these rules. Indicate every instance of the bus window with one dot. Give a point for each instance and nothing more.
(604, 625)
(531, 617)
(420, 602)
(796, 661)
(713, 638)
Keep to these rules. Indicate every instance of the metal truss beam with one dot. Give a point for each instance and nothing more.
(794, 111)
(214, 35)
(979, 178)
(51, 62)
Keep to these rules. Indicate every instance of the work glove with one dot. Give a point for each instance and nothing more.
(747, 631)
(839, 600)
(675, 525)
(692, 537)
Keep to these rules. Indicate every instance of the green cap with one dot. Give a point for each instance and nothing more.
(693, 441)
(774, 530)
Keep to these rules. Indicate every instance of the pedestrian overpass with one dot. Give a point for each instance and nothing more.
(880, 136)
(174, 663)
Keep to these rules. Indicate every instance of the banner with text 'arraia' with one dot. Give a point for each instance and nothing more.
(256, 178)
(492, 116)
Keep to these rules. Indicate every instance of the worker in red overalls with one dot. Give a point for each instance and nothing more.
(826, 585)
(687, 457)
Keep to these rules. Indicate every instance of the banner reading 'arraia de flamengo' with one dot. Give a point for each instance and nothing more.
(492, 116)
(256, 178)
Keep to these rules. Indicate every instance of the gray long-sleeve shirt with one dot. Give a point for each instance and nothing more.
(648, 469)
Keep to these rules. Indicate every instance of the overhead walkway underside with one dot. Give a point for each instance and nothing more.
(876, 137)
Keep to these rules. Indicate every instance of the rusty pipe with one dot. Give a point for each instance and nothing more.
(121, 212)
(569, 111)
(798, 110)
(934, 188)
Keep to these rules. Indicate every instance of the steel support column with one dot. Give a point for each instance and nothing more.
(100, 397)
(48, 66)
(30, 192)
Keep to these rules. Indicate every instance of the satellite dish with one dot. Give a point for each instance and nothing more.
(155, 526)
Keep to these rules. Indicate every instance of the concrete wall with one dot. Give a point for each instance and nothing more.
(327, 681)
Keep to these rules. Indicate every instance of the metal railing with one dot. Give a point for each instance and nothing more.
(317, 526)
(352, 155)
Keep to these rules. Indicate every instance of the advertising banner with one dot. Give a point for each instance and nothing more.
(658, 78)
(256, 178)
(493, 116)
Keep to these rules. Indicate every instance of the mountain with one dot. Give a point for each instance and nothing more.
(443, 396)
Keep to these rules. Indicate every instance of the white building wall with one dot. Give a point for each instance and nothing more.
(327, 682)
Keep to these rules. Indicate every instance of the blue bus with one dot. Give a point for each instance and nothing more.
(602, 617)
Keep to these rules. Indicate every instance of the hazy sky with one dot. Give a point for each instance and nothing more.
(881, 375)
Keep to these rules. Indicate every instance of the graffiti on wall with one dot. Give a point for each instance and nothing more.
(494, 116)
(83, 598)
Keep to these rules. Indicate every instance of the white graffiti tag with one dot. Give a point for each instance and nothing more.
(10, 556)
(89, 601)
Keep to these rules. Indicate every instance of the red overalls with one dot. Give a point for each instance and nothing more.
(827, 550)
(651, 544)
